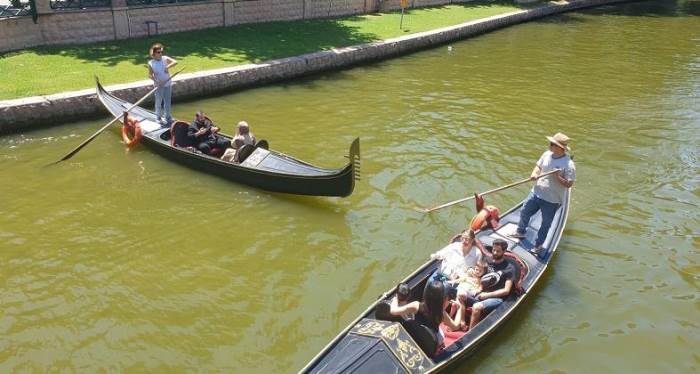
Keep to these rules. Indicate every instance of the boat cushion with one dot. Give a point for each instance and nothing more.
(519, 275)
(423, 336)
(179, 137)
(243, 152)
(216, 152)
(450, 336)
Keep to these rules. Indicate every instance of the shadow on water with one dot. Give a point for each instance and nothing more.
(664, 8)
(566, 18)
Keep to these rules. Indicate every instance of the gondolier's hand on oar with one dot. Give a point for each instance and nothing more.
(93, 136)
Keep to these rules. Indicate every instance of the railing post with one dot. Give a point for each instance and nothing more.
(120, 16)
(43, 7)
(229, 12)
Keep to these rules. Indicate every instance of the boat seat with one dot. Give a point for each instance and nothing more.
(217, 152)
(451, 336)
(423, 336)
(262, 143)
(243, 152)
(520, 272)
(179, 137)
(383, 312)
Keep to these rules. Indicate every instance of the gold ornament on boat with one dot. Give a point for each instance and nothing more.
(391, 332)
(410, 355)
(371, 328)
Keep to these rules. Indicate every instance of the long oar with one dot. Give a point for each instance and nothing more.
(93, 136)
(489, 191)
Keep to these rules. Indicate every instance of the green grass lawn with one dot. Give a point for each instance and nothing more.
(48, 70)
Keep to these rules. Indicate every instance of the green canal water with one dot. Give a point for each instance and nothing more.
(123, 261)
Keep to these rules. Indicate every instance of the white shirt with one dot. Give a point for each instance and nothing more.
(454, 264)
(548, 188)
(248, 138)
(160, 71)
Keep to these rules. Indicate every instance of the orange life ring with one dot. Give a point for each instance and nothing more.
(130, 123)
(486, 216)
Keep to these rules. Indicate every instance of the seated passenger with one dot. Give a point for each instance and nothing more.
(457, 257)
(400, 305)
(470, 284)
(243, 135)
(204, 134)
(431, 311)
(230, 153)
(498, 283)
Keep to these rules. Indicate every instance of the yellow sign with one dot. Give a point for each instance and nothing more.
(404, 3)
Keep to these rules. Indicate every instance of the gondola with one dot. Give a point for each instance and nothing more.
(265, 169)
(377, 342)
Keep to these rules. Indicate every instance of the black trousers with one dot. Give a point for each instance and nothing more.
(213, 142)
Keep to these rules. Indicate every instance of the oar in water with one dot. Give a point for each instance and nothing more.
(489, 191)
(93, 136)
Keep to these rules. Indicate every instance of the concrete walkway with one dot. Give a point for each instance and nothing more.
(40, 111)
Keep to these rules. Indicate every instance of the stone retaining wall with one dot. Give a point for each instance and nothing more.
(28, 113)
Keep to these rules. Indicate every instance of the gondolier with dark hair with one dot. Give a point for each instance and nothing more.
(204, 135)
(158, 71)
(548, 193)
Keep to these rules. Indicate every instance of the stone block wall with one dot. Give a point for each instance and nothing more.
(252, 11)
(86, 26)
(176, 17)
(393, 5)
(16, 33)
(333, 8)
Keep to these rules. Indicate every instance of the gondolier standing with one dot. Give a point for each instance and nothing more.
(548, 193)
(158, 71)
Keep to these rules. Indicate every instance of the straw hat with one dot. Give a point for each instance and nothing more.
(561, 140)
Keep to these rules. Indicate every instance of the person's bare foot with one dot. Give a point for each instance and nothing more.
(463, 326)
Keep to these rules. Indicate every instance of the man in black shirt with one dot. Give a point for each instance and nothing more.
(203, 134)
(499, 283)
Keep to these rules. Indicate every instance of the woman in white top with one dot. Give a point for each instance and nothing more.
(243, 136)
(158, 71)
(459, 256)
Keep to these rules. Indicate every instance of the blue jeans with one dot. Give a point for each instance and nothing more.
(490, 304)
(530, 207)
(438, 276)
(163, 97)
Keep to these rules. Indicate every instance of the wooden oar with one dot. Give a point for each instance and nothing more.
(93, 136)
(488, 192)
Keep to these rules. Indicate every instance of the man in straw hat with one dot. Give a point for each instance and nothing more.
(548, 193)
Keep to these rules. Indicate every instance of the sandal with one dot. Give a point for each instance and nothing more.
(536, 251)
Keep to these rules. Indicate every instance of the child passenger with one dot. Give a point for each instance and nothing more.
(400, 305)
(470, 284)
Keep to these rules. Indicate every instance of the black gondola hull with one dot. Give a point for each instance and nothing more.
(466, 345)
(272, 171)
(340, 184)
